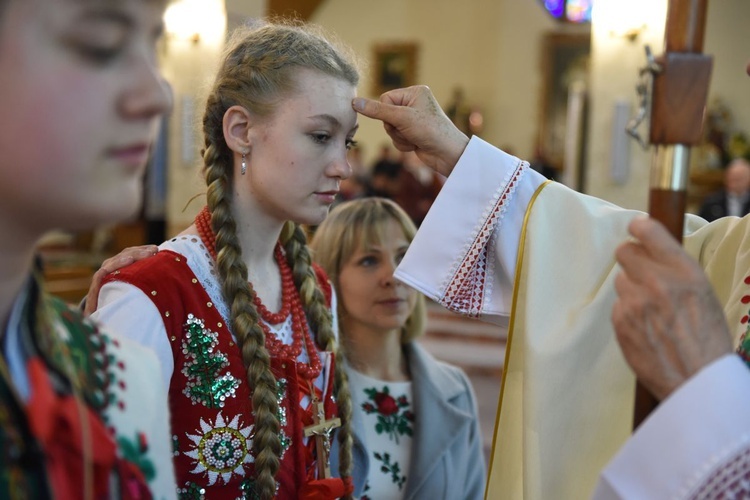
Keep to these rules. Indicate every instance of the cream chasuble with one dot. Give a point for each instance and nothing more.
(499, 244)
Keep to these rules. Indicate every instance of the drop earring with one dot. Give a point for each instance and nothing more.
(244, 164)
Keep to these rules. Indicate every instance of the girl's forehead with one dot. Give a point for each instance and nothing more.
(322, 93)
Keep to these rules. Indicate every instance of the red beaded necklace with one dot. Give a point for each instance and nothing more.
(290, 304)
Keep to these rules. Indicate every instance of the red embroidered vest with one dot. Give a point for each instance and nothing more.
(209, 397)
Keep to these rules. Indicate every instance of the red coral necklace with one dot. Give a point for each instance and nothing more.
(290, 304)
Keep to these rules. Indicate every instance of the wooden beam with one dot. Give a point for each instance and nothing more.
(300, 9)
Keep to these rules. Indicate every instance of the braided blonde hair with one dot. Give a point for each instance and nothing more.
(258, 73)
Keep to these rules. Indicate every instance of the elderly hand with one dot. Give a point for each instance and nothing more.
(415, 122)
(667, 318)
(122, 259)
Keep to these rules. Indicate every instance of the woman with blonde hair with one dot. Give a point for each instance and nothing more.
(233, 306)
(416, 416)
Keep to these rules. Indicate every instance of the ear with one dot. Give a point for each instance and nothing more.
(237, 122)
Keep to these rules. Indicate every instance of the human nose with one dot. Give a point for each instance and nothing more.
(389, 270)
(340, 168)
(149, 94)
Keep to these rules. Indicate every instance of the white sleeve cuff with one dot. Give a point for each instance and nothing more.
(480, 209)
(695, 430)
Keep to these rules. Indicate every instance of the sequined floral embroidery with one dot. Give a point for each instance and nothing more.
(203, 367)
(221, 449)
(191, 491)
(286, 441)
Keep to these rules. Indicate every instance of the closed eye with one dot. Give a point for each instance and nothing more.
(320, 138)
(100, 56)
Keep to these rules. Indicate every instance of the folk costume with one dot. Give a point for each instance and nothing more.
(538, 259)
(80, 414)
(172, 302)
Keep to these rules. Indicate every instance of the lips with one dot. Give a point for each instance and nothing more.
(391, 301)
(326, 197)
(133, 154)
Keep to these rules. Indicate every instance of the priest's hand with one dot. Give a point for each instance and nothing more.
(415, 122)
(122, 259)
(667, 318)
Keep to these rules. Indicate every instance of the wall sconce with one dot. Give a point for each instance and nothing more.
(195, 20)
(630, 34)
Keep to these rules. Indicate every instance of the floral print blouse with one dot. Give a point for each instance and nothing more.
(388, 417)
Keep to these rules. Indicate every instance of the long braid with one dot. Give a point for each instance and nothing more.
(320, 319)
(245, 322)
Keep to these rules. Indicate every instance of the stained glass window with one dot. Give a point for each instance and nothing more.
(575, 11)
(578, 11)
(555, 7)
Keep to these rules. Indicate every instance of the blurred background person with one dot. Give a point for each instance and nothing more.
(734, 199)
(384, 174)
(416, 187)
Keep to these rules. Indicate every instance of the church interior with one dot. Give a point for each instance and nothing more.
(551, 86)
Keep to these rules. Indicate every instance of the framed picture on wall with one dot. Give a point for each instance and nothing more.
(394, 66)
(565, 72)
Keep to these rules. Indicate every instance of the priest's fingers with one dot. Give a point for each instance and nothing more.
(655, 238)
(663, 284)
(669, 324)
(122, 259)
(645, 332)
(634, 260)
(625, 287)
(655, 263)
(415, 122)
(701, 332)
(634, 308)
(399, 141)
(666, 350)
(624, 320)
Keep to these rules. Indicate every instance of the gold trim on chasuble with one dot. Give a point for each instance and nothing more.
(506, 362)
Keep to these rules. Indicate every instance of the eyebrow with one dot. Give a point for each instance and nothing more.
(109, 12)
(332, 120)
(106, 13)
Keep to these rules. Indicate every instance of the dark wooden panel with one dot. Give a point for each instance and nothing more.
(302, 9)
(680, 93)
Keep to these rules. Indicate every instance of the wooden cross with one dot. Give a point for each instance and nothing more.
(321, 430)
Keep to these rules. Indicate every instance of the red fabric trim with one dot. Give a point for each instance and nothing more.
(56, 422)
(731, 479)
(465, 290)
(326, 489)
